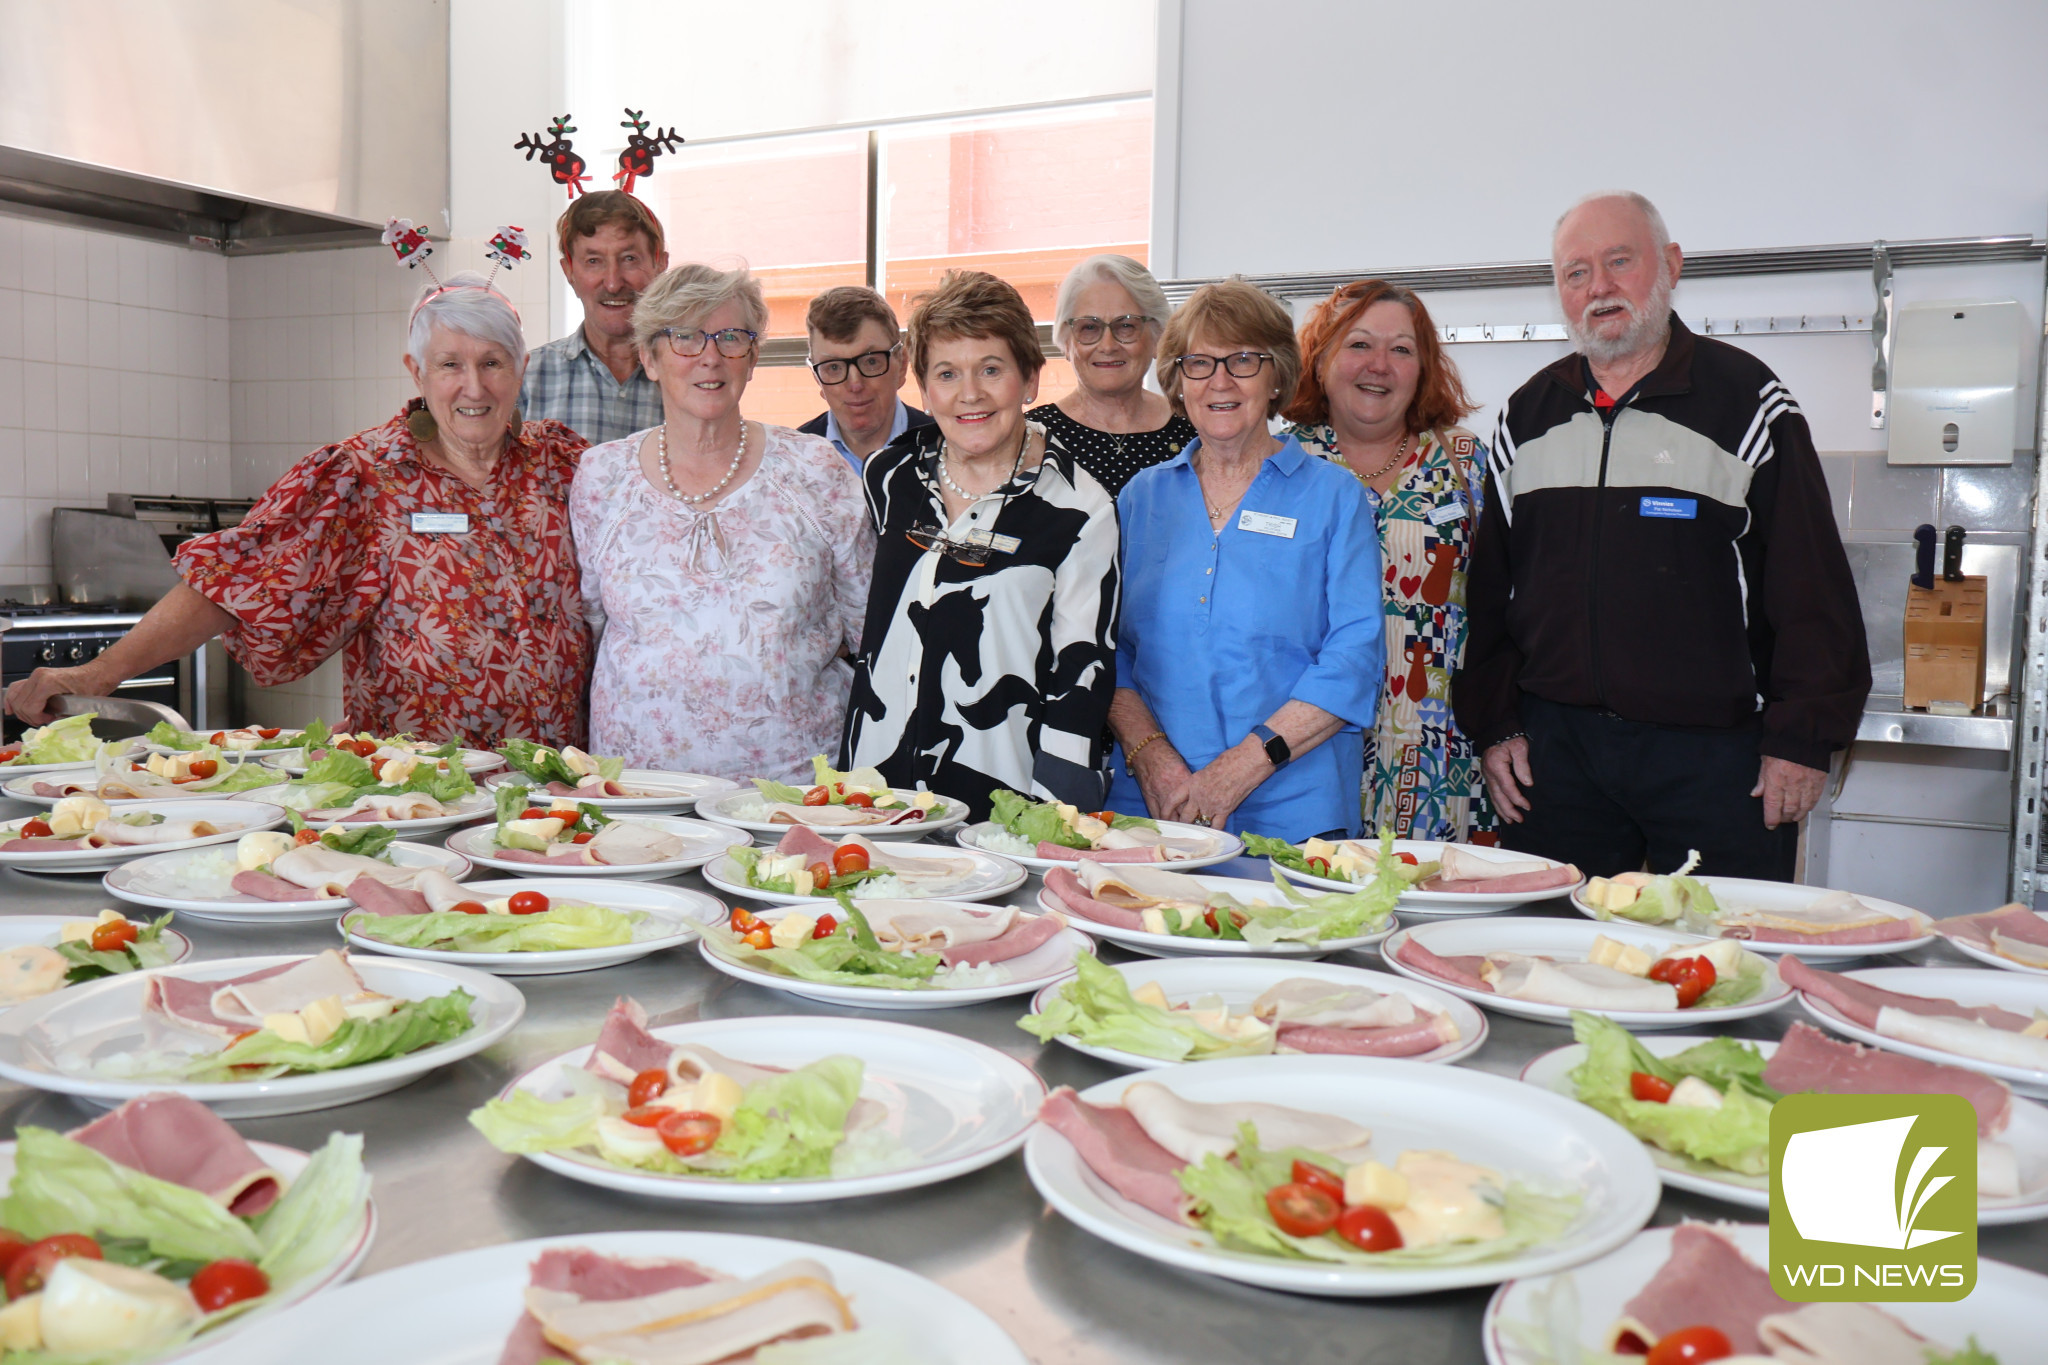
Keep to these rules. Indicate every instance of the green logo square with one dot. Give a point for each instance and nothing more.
(1873, 1198)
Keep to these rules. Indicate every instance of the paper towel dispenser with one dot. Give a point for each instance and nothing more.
(1954, 369)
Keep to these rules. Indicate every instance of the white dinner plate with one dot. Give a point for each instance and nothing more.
(1222, 846)
(2028, 1134)
(674, 914)
(1991, 959)
(1429, 904)
(288, 1162)
(1496, 1122)
(1048, 962)
(953, 1105)
(946, 814)
(1568, 940)
(1239, 981)
(468, 808)
(1173, 945)
(991, 877)
(105, 1017)
(33, 769)
(1745, 893)
(658, 789)
(1965, 986)
(297, 761)
(233, 818)
(138, 882)
(18, 931)
(2003, 1311)
(23, 789)
(703, 842)
(459, 1309)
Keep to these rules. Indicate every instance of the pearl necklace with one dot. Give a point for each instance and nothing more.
(945, 452)
(1400, 454)
(701, 498)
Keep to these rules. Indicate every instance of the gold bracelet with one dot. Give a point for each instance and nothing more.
(1131, 754)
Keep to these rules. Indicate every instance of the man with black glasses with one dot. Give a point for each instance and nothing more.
(857, 359)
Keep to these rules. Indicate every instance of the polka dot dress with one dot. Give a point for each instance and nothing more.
(1113, 457)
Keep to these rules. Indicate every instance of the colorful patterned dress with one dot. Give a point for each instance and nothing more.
(457, 610)
(1422, 778)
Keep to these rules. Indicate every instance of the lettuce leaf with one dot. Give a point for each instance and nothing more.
(1972, 1354)
(1295, 915)
(65, 1186)
(69, 740)
(523, 1123)
(1737, 1135)
(1036, 821)
(779, 792)
(1278, 850)
(322, 1210)
(1733, 990)
(787, 1126)
(242, 777)
(561, 927)
(850, 956)
(88, 964)
(343, 769)
(1097, 1008)
(365, 841)
(513, 797)
(412, 1026)
(1667, 900)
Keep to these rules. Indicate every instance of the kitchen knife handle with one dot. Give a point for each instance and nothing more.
(1952, 555)
(1923, 558)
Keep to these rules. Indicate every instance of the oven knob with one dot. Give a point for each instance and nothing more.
(48, 653)
(76, 654)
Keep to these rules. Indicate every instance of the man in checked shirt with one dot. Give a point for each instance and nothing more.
(591, 380)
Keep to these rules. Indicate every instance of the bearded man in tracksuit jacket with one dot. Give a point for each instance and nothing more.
(1664, 645)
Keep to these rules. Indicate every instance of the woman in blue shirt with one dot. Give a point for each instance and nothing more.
(1249, 657)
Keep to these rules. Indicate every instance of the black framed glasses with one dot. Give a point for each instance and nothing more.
(873, 364)
(929, 538)
(1240, 364)
(1126, 329)
(732, 342)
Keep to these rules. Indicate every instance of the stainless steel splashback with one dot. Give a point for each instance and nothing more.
(1881, 569)
(338, 108)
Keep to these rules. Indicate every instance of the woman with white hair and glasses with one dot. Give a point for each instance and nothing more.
(433, 551)
(1110, 313)
(725, 562)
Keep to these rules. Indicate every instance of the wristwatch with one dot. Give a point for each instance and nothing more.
(1276, 748)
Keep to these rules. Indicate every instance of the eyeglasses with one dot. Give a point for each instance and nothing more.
(873, 364)
(934, 538)
(1241, 364)
(1126, 329)
(732, 343)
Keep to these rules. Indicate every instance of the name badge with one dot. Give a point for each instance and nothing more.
(441, 523)
(1677, 509)
(1266, 524)
(1002, 545)
(1449, 512)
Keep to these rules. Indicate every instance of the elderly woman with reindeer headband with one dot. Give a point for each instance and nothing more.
(432, 551)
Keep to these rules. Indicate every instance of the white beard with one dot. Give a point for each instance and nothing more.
(1647, 328)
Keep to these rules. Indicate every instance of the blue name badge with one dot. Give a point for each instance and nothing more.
(1680, 509)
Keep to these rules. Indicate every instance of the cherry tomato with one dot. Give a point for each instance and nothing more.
(1689, 1345)
(528, 903)
(913, 814)
(1107, 817)
(761, 937)
(1410, 859)
(306, 836)
(1369, 1229)
(817, 796)
(268, 734)
(219, 737)
(821, 877)
(646, 1115)
(533, 813)
(1320, 1177)
(825, 927)
(1695, 981)
(686, 1132)
(1652, 1089)
(468, 908)
(36, 829)
(839, 789)
(361, 748)
(743, 920)
(9, 755)
(647, 1086)
(860, 799)
(1664, 969)
(204, 767)
(582, 838)
(1302, 1210)
(12, 1244)
(1319, 866)
(852, 858)
(32, 1265)
(1209, 918)
(112, 935)
(227, 1281)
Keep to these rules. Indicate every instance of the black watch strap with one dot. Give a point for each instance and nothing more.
(1276, 747)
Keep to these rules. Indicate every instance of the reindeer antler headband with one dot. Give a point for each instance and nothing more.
(567, 167)
(507, 248)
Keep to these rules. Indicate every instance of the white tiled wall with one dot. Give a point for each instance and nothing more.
(113, 377)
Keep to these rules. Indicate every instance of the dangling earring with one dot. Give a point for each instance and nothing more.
(518, 418)
(420, 422)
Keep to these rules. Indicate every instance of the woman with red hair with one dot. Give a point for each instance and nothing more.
(1378, 396)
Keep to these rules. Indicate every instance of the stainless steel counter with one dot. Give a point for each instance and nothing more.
(1887, 721)
(1067, 1298)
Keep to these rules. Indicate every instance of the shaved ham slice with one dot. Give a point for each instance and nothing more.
(1113, 1145)
(903, 928)
(624, 1047)
(1841, 1334)
(374, 806)
(802, 839)
(265, 887)
(595, 1278)
(1544, 879)
(318, 871)
(1319, 1016)
(1459, 971)
(1192, 1130)
(570, 855)
(1859, 1001)
(635, 843)
(377, 898)
(64, 788)
(1893, 930)
(723, 1320)
(1026, 934)
(1067, 889)
(247, 999)
(180, 1140)
(1964, 1038)
(589, 786)
(1139, 887)
(2013, 921)
(1425, 1034)
(1576, 985)
(790, 813)
(1150, 853)
(1707, 1281)
(188, 1005)
(48, 845)
(1810, 1060)
(168, 832)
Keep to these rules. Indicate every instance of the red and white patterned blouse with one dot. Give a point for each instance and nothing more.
(473, 635)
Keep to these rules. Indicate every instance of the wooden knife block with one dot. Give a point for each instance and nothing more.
(1945, 643)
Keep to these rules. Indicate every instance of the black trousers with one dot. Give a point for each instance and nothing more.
(1610, 792)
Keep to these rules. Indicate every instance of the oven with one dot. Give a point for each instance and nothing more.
(55, 636)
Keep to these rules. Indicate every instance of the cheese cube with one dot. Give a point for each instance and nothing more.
(925, 800)
(1694, 1093)
(791, 930)
(578, 762)
(77, 929)
(290, 1027)
(1090, 828)
(371, 1007)
(1319, 848)
(1725, 953)
(77, 815)
(1372, 1183)
(800, 881)
(718, 1093)
(1607, 952)
(500, 906)
(323, 1017)
(1152, 921)
(1151, 993)
(396, 770)
(21, 1327)
(2039, 1028)
(565, 806)
(262, 848)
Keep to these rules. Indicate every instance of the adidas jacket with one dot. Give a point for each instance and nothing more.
(1676, 562)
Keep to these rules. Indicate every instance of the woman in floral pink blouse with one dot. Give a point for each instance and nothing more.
(433, 552)
(725, 562)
